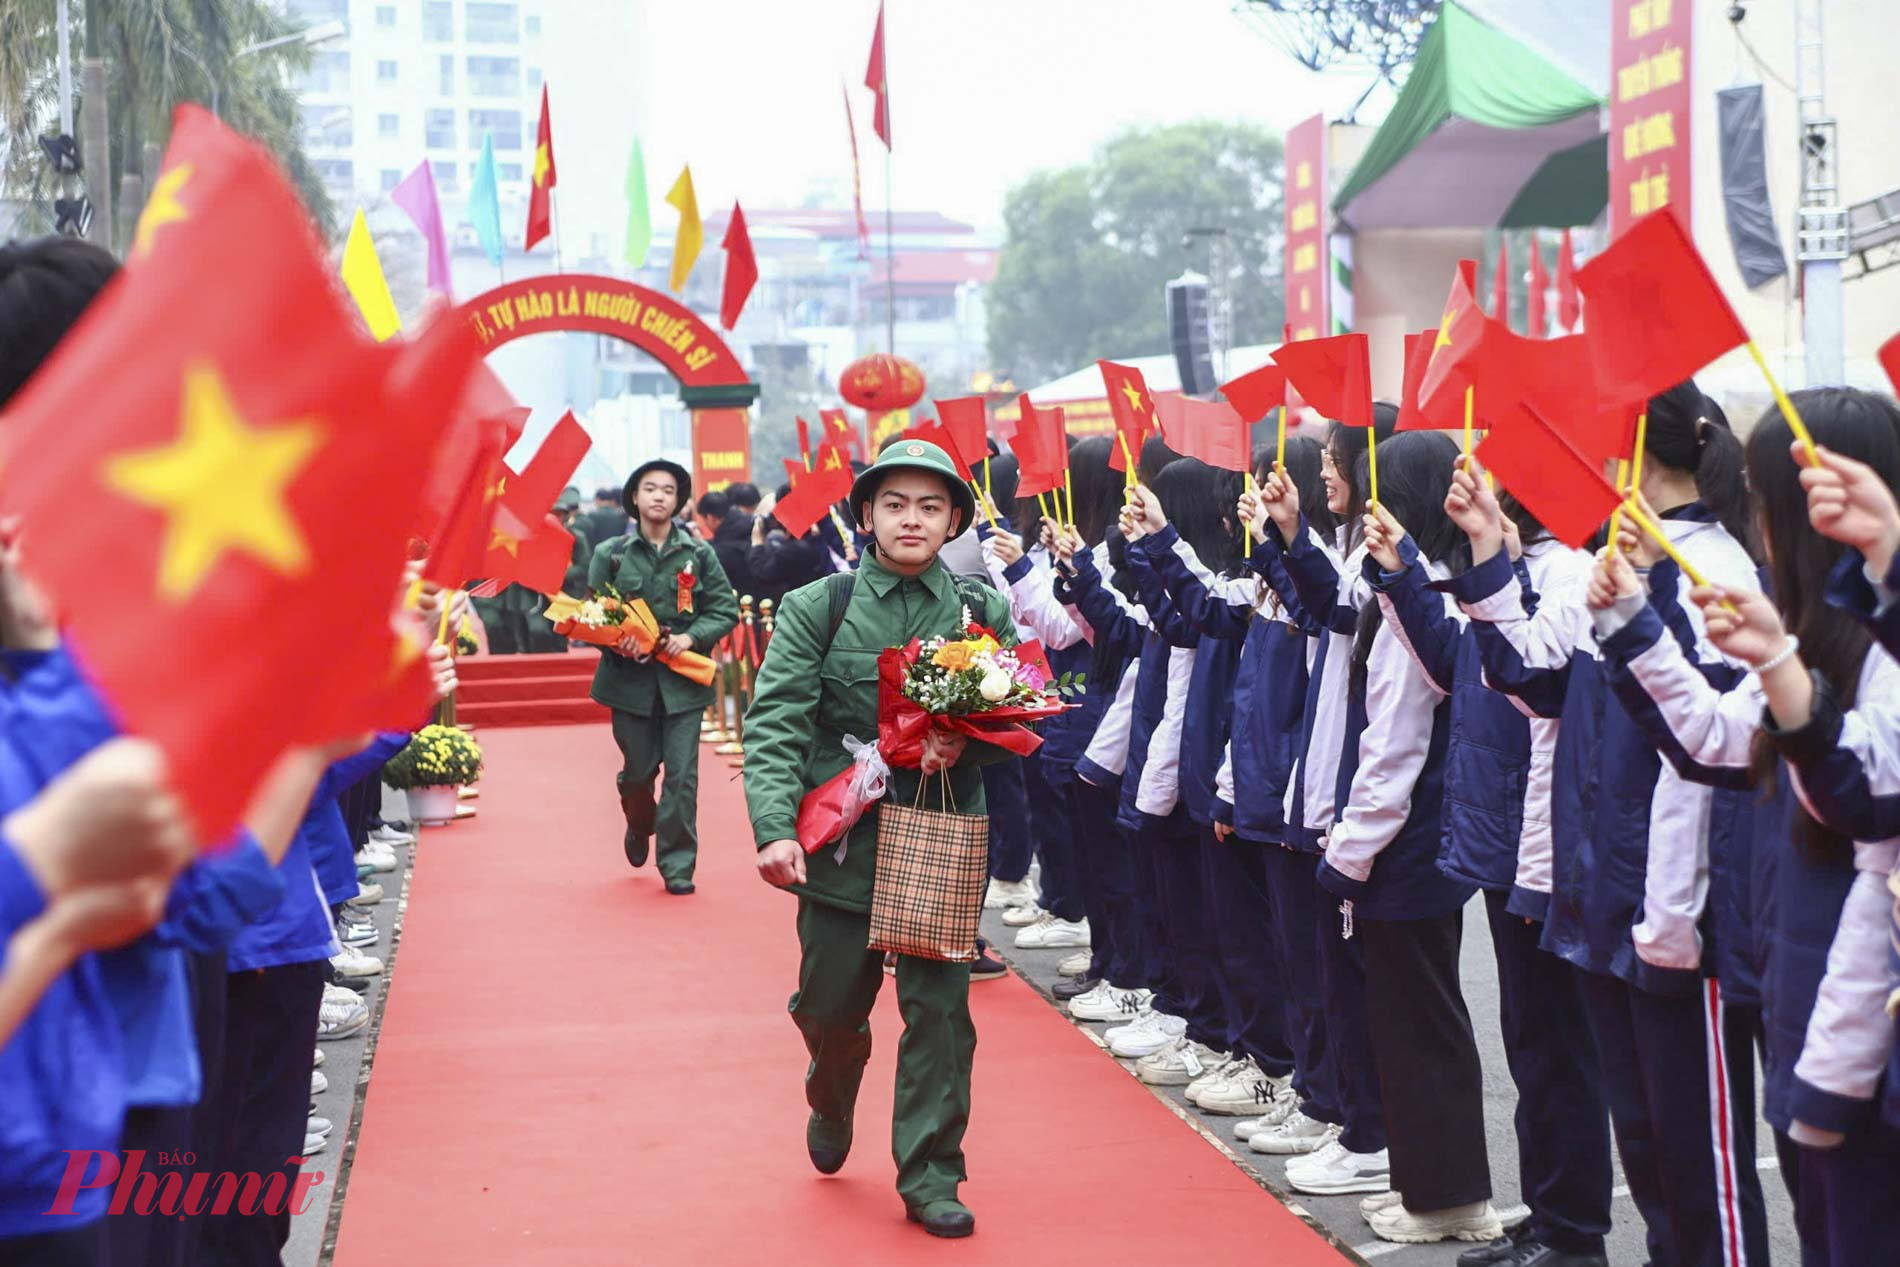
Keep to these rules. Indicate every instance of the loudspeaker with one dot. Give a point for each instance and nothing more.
(1191, 335)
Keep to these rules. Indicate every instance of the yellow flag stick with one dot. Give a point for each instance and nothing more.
(442, 628)
(986, 473)
(1636, 457)
(1661, 538)
(1788, 411)
(983, 500)
(1042, 501)
(1372, 461)
(1246, 532)
(1622, 486)
(1279, 453)
(1068, 484)
(1128, 460)
(1471, 409)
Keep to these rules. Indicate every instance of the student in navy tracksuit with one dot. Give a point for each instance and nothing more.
(1497, 835)
(1829, 1038)
(1250, 814)
(1190, 555)
(1381, 861)
(1350, 1144)
(1645, 863)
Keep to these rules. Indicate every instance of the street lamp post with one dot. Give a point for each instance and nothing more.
(322, 33)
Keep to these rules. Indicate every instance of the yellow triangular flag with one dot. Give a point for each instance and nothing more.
(692, 234)
(363, 274)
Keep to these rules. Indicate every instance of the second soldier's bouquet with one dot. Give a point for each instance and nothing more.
(625, 628)
(969, 684)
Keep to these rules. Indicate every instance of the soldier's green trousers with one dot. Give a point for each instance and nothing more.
(838, 981)
(646, 744)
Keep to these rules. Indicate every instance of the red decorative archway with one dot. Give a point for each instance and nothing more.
(712, 382)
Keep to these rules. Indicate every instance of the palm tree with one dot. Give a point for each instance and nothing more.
(158, 53)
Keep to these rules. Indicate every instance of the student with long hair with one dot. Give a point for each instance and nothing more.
(1646, 866)
(1344, 1133)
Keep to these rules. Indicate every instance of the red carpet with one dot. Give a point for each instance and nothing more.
(527, 690)
(575, 1069)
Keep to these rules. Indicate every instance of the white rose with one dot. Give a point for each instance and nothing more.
(995, 686)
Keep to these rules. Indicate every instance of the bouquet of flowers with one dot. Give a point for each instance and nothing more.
(623, 627)
(969, 684)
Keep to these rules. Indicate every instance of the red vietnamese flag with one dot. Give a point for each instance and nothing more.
(937, 434)
(459, 542)
(1212, 431)
(1333, 375)
(1418, 355)
(1539, 324)
(742, 270)
(838, 430)
(1041, 448)
(1257, 393)
(486, 410)
(875, 80)
(794, 471)
(1501, 285)
(1441, 392)
(239, 484)
(541, 192)
(1890, 360)
(813, 496)
(531, 551)
(540, 482)
(1134, 410)
(1562, 487)
(967, 420)
(1656, 315)
(1569, 308)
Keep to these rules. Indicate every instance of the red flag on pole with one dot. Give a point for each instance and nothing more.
(804, 442)
(1568, 306)
(1460, 330)
(967, 420)
(1501, 285)
(533, 551)
(1133, 407)
(742, 270)
(539, 485)
(1890, 360)
(1656, 315)
(874, 79)
(540, 200)
(1333, 375)
(1257, 393)
(1041, 448)
(459, 540)
(1540, 282)
(1418, 356)
(936, 433)
(815, 493)
(857, 178)
(1213, 431)
(839, 431)
(1562, 487)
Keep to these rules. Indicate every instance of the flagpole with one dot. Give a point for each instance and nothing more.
(890, 263)
(554, 224)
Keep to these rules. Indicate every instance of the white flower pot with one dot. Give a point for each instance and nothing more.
(433, 806)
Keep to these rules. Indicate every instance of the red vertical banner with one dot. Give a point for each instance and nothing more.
(1649, 110)
(1307, 284)
(722, 448)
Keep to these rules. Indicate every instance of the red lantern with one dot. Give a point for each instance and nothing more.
(880, 382)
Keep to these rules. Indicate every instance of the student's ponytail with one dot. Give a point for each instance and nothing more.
(1689, 432)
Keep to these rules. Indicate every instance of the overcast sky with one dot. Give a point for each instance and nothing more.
(983, 92)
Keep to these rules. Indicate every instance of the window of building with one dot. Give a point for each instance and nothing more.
(386, 72)
(445, 177)
(389, 126)
(391, 178)
(492, 23)
(494, 76)
(312, 12)
(438, 128)
(386, 16)
(447, 86)
(508, 171)
(337, 173)
(533, 23)
(503, 125)
(438, 22)
(329, 72)
(534, 79)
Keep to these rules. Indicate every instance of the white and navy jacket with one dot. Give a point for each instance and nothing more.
(1269, 714)
(1630, 836)
(1498, 763)
(1151, 795)
(1825, 990)
(1117, 630)
(1029, 584)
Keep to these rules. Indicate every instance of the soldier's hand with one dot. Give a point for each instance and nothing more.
(942, 749)
(677, 644)
(782, 863)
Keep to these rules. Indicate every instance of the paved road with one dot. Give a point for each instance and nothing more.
(1340, 1215)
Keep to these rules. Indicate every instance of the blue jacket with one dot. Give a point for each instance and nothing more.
(1117, 634)
(1269, 711)
(1064, 736)
(332, 852)
(1151, 788)
(1618, 907)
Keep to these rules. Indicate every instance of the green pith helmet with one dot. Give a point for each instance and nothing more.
(916, 455)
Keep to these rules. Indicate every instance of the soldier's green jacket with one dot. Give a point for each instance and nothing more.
(809, 697)
(633, 567)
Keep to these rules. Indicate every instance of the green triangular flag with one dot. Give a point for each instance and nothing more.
(639, 225)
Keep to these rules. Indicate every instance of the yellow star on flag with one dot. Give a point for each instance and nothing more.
(541, 164)
(220, 485)
(1134, 396)
(496, 489)
(161, 209)
(1444, 334)
(502, 541)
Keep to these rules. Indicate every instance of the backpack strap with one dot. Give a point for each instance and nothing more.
(839, 587)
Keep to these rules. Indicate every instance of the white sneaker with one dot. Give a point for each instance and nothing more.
(1142, 1008)
(314, 1144)
(338, 1019)
(1249, 1091)
(1004, 894)
(379, 858)
(1175, 1064)
(1025, 915)
(1474, 1222)
(366, 895)
(1210, 1076)
(1283, 1107)
(1296, 1133)
(319, 1056)
(1107, 1003)
(1075, 965)
(337, 994)
(1050, 933)
(318, 1083)
(1377, 1201)
(387, 835)
(318, 1126)
(351, 962)
(1148, 1035)
(1330, 1171)
(348, 934)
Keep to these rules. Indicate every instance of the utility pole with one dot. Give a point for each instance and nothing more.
(95, 148)
(1821, 220)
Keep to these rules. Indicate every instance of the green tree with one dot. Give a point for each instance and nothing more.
(158, 53)
(1088, 250)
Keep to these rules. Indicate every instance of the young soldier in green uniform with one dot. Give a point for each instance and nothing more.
(656, 711)
(819, 683)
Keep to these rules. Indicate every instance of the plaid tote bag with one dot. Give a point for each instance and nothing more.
(932, 866)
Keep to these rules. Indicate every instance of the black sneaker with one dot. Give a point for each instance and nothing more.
(1501, 1251)
(1070, 987)
(987, 966)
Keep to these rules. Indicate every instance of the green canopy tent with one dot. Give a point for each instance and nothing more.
(1486, 133)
